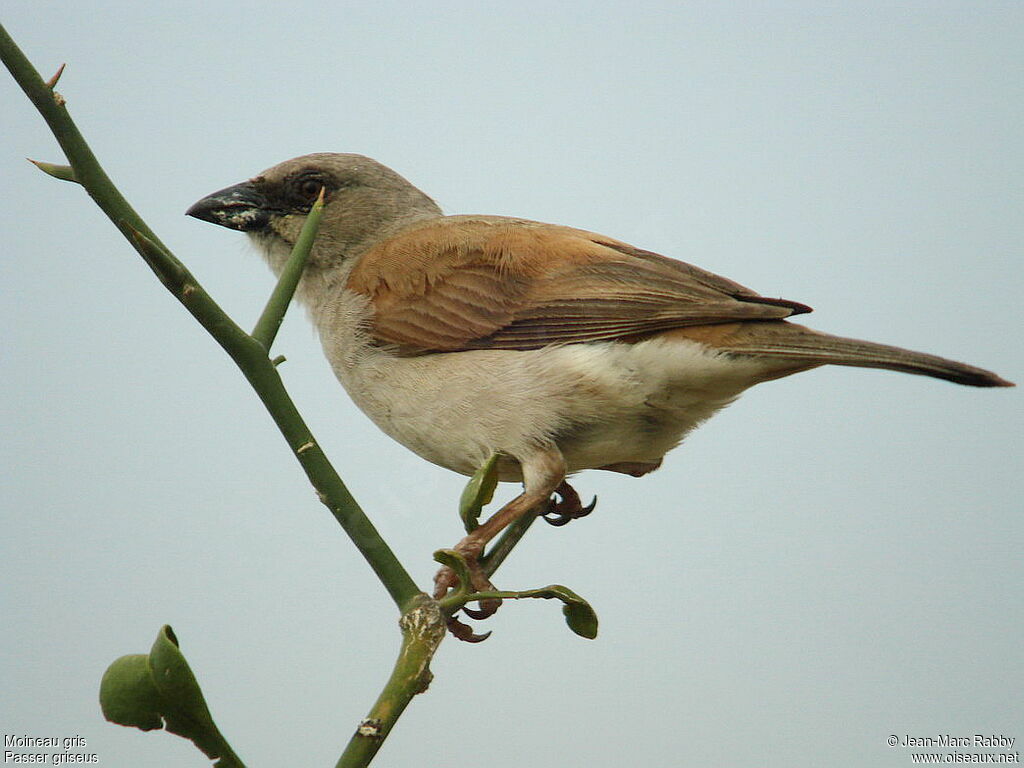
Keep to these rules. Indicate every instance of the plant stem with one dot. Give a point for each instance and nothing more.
(507, 541)
(422, 622)
(87, 170)
(423, 629)
(248, 353)
(270, 321)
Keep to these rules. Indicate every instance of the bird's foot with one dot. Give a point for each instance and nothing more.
(446, 579)
(569, 507)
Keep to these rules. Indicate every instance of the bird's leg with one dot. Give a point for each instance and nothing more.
(543, 473)
(472, 546)
(569, 508)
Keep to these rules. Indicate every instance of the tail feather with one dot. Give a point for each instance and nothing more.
(798, 343)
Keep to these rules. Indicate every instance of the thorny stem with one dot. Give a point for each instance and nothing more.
(249, 354)
(422, 622)
(421, 637)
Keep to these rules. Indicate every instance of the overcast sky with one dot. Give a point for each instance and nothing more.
(834, 559)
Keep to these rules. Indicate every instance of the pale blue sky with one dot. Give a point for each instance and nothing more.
(834, 559)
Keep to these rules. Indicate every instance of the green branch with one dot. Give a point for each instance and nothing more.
(420, 637)
(423, 620)
(248, 353)
(423, 629)
(251, 357)
(270, 321)
(87, 170)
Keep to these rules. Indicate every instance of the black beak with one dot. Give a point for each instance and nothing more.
(240, 207)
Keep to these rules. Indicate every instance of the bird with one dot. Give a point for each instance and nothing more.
(557, 349)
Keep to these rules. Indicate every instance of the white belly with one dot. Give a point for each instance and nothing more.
(600, 403)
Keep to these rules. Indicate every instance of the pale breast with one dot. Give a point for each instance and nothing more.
(601, 403)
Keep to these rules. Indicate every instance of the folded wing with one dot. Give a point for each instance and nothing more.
(495, 283)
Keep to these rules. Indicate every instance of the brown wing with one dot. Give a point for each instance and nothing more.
(463, 282)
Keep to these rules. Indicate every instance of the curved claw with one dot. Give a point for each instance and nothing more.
(473, 613)
(487, 609)
(558, 517)
(464, 632)
(556, 520)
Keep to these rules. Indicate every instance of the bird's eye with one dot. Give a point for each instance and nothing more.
(302, 189)
(309, 188)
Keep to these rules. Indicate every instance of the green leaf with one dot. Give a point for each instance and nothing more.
(478, 493)
(159, 690)
(579, 615)
(128, 695)
(581, 619)
(457, 562)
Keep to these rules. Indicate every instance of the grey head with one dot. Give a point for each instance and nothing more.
(365, 202)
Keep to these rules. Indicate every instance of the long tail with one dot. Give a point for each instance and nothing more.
(798, 343)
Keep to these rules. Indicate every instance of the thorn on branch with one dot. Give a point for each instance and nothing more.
(53, 80)
(167, 268)
(62, 172)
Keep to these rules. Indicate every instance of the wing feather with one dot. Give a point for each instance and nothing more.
(458, 283)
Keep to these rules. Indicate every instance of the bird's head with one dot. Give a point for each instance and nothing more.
(364, 202)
